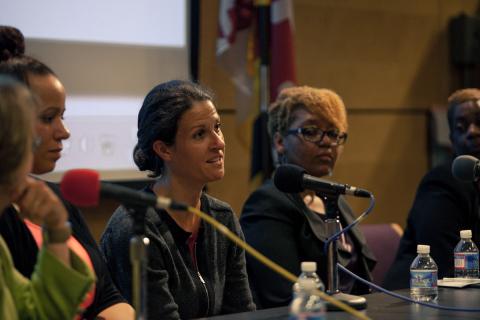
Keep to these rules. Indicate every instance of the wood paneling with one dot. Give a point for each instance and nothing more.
(386, 154)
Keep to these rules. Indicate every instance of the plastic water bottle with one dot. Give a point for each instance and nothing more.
(466, 256)
(423, 276)
(309, 271)
(307, 305)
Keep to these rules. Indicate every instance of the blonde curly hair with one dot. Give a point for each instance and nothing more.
(324, 103)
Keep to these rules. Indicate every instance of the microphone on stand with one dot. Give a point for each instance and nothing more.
(466, 168)
(83, 188)
(291, 178)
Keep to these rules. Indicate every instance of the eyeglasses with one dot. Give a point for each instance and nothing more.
(315, 134)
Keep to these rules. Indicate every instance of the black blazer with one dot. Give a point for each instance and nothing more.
(281, 226)
(443, 206)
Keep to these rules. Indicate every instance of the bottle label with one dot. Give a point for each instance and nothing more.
(423, 278)
(466, 260)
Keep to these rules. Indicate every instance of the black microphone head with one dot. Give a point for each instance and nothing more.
(289, 178)
(464, 168)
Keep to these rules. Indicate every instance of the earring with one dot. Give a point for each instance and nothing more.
(37, 141)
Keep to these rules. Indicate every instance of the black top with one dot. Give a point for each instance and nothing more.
(443, 206)
(24, 250)
(281, 226)
(177, 287)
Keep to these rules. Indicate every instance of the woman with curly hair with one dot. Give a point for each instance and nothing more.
(308, 127)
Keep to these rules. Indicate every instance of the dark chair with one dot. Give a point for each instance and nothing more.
(383, 240)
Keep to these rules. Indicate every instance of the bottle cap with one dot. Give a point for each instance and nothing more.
(466, 234)
(308, 266)
(307, 284)
(422, 248)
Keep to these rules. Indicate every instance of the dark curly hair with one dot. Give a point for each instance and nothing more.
(12, 43)
(13, 61)
(158, 119)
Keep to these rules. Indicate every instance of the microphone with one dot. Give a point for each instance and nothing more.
(83, 188)
(292, 179)
(466, 168)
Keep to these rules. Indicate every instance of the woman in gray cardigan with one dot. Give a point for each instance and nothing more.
(193, 271)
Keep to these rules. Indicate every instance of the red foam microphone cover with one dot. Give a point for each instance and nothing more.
(81, 187)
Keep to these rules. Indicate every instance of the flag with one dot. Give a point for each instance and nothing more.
(235, 54)
(255, 47)
(282, 66)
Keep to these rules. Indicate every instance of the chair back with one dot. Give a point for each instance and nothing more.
(383, 240)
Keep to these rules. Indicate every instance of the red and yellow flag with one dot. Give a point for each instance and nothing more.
(242, 27)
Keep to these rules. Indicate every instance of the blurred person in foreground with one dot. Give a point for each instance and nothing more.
(443, 205)
(308, 127)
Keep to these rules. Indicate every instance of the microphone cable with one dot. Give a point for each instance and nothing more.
(337, 235)
(91, 188)
(270, 264)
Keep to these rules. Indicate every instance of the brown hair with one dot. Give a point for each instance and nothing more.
(158, 119)
(324, 103)
(16, 127)
(459, 97)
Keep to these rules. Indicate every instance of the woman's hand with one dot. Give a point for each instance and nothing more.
(41, 205)
(38, 203)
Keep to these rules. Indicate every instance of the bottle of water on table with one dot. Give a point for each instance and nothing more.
(423, 276)
(309, 271)
(307, 305)
(466, 256)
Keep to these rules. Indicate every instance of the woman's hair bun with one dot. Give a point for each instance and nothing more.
(12, 43)
(140, 158)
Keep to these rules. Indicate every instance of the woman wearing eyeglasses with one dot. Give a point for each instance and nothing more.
(308, 128)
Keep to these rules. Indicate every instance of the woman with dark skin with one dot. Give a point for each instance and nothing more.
(61, 279)
(193, 271)
(22, 235)
(308, 127)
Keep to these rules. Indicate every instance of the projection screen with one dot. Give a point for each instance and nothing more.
(108, 54)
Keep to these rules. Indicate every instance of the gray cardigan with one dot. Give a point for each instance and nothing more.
(176, 286)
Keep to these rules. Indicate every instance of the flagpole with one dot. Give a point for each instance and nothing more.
(263, 16)
(263, 10)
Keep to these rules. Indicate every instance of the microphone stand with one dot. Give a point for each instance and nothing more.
(139, 258)
(333, 226)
